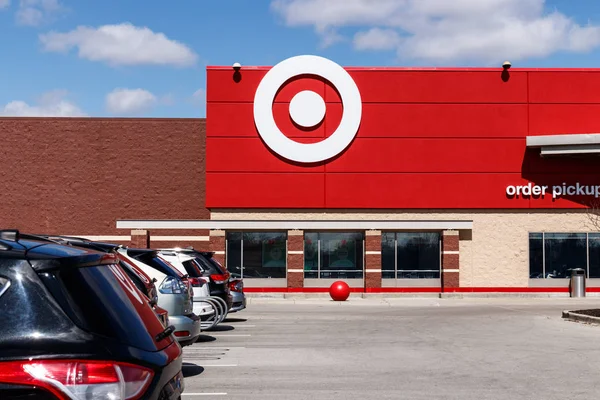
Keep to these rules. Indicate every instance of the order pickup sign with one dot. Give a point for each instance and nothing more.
(556, 190)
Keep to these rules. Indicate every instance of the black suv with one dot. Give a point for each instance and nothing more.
(74, 326)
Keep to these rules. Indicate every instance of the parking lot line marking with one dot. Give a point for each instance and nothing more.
(228, 335)
(216, 365)
(204, 394)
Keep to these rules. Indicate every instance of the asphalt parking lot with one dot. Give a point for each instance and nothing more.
(398, 349)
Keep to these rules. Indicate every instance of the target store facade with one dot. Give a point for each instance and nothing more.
(401, 179)
(395, 180)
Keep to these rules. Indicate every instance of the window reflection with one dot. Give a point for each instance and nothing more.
(536, 255)
(257, 254)
(388, 255)
(333, 255)
(594, 251)
(311, 255)
(410, 255)
(554, 255)
(234, 254)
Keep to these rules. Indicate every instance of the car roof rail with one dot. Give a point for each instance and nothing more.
(140, 252)
(11, 235)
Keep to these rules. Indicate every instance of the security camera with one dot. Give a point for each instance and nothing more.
(237, 66)
(506, 65)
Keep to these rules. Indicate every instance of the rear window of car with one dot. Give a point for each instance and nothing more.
(193, 268)
(109, 304)
(206, 265)
(217, 265)
(157, 262)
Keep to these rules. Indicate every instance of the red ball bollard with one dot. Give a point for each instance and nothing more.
(339, 291)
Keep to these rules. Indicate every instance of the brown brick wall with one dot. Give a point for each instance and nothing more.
(295, 242)
(450, 259)
(295, 259)
(450, 279)
(450, 242)
(295, 280)
(79, 175)
(373, 259)
(140, 239)
(217, 244)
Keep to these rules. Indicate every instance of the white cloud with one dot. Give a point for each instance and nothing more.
(376, 39)
(123, 44)
(4, 4)
(130, 101)
(38, 12)
(442, 31)
(50, 104)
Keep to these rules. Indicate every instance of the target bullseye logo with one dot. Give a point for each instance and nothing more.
(307, 109)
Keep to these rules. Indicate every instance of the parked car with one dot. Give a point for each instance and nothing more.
(211, 309)
(74, 326)
(141, 280)
(219, 276)
(236, 287)
(236, 284)
(175, 293)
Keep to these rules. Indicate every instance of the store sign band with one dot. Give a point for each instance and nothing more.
(556, 190)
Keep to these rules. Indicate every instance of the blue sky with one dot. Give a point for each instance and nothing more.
(66, 57)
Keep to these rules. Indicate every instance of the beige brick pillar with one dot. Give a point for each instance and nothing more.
(217, 245)
(372, 260)
(140, 239)
(295, 259)
(450, 259)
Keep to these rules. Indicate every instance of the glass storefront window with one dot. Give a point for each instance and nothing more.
(388, 255)
(410, 255)
(234, 254)
(257, 254)
(563, 252)
(335, 255)
(554, 255)
(594, 253)
(536, 255)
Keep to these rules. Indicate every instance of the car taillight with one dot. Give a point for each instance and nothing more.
(79, 380)
(172, 285)
(196, 281)
(236, 286)
(218, 278)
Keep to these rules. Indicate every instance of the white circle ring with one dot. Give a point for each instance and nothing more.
(307, 152)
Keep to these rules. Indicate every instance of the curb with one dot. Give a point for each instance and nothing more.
(572, 316)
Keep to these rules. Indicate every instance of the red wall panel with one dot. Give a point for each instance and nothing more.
(384, 120)
(563, 87)
(248, 154)
(403, 120)
(266, 190)
(421, 191)
(551, 119)
(430, 155)
(427, 139)
(237, 120)
(405, 86)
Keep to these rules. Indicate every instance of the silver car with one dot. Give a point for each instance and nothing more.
(236, 286)
(175, 293)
